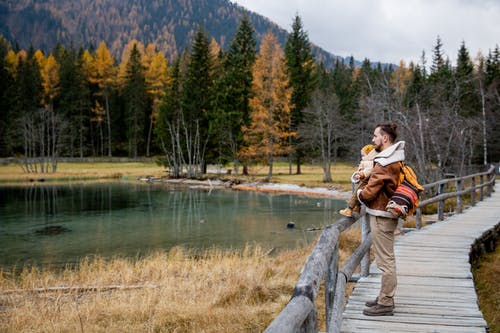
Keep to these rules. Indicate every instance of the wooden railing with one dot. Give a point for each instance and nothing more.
(467, 185)
(300, 314)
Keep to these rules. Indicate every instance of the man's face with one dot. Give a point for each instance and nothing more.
(378, 139)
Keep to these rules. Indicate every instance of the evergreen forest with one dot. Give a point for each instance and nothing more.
(247, 101)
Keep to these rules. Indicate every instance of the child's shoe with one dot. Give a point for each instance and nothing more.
(346, 212)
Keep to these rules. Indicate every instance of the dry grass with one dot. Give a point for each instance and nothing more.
(215, 291)
(84, 171)
(487, 280)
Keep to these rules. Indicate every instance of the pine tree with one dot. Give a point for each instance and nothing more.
(135, 92)
(493, 68)
(343, 82)
(73, 99)
(6, 96)
(300, 66)
(438, 61)
(196, 102)
(168, 129)
(269, 131)
(27, 98)
(492, 86)
(468, 99)
(441, 78)
(233, 92)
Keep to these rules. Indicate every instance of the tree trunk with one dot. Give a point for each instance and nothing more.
(299, 162)
(485, 141)
(108, 120)
(149, 135)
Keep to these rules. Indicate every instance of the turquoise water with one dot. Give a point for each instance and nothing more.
(60, 224)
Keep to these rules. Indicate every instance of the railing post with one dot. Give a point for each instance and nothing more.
(489, 188)
(365, 231)
(418, 218)
(473, 191)
(441, 203)
(459, 197)
(310, 324)
(331, 284)
(481, 192)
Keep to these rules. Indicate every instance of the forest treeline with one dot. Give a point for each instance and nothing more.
(244, 104)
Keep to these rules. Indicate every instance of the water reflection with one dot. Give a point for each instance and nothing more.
(57, 224)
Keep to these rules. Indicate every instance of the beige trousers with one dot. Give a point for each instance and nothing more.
(382, 232)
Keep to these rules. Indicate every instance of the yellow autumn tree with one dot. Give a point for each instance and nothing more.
(156, 67)
(50, 80)
(40, 58)
(12, 61)
(103, 73)
(87, 64)
(268, 134)
(215, 50)
(400, 79)
(122, 68)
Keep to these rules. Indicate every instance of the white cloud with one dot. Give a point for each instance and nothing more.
(390, 30)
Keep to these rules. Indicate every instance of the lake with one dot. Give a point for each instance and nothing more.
(46, 224)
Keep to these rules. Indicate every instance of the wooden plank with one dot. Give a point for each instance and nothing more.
(415, 309)
(423, 319)
(419, 290)
(407, 279)
(356, 325)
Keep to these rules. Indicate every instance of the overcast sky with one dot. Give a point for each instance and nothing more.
(389, 30)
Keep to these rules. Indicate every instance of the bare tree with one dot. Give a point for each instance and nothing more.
(184, 150)
(42, 133)
(324, 127)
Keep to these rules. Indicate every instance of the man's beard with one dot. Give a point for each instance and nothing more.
(378, 148)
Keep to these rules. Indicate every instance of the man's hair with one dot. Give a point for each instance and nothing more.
(391, 129)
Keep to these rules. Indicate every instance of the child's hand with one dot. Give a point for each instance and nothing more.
(355, 177)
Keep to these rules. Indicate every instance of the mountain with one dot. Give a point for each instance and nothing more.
(169, 24)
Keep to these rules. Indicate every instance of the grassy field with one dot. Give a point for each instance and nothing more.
(179, 290)
(487, 280)
(312, 175)
(83, 172)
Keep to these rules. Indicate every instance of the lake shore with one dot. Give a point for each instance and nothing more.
(329, 192)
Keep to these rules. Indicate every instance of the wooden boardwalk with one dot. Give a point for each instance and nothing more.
(435, 288)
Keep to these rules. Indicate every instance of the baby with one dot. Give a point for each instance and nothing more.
(360, 177)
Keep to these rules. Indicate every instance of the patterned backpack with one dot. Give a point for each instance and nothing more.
(405, 200)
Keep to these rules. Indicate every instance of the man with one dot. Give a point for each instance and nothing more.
(381, 185)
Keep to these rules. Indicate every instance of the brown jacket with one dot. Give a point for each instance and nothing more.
(383, 180)
(381, 186)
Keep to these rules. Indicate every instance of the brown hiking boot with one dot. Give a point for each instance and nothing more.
(346, 212)
(379, 310)
(372, 303)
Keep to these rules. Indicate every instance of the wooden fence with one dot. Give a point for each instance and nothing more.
(457, 188)
(300, 314)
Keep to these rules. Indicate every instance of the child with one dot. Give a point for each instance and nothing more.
(360, 177)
